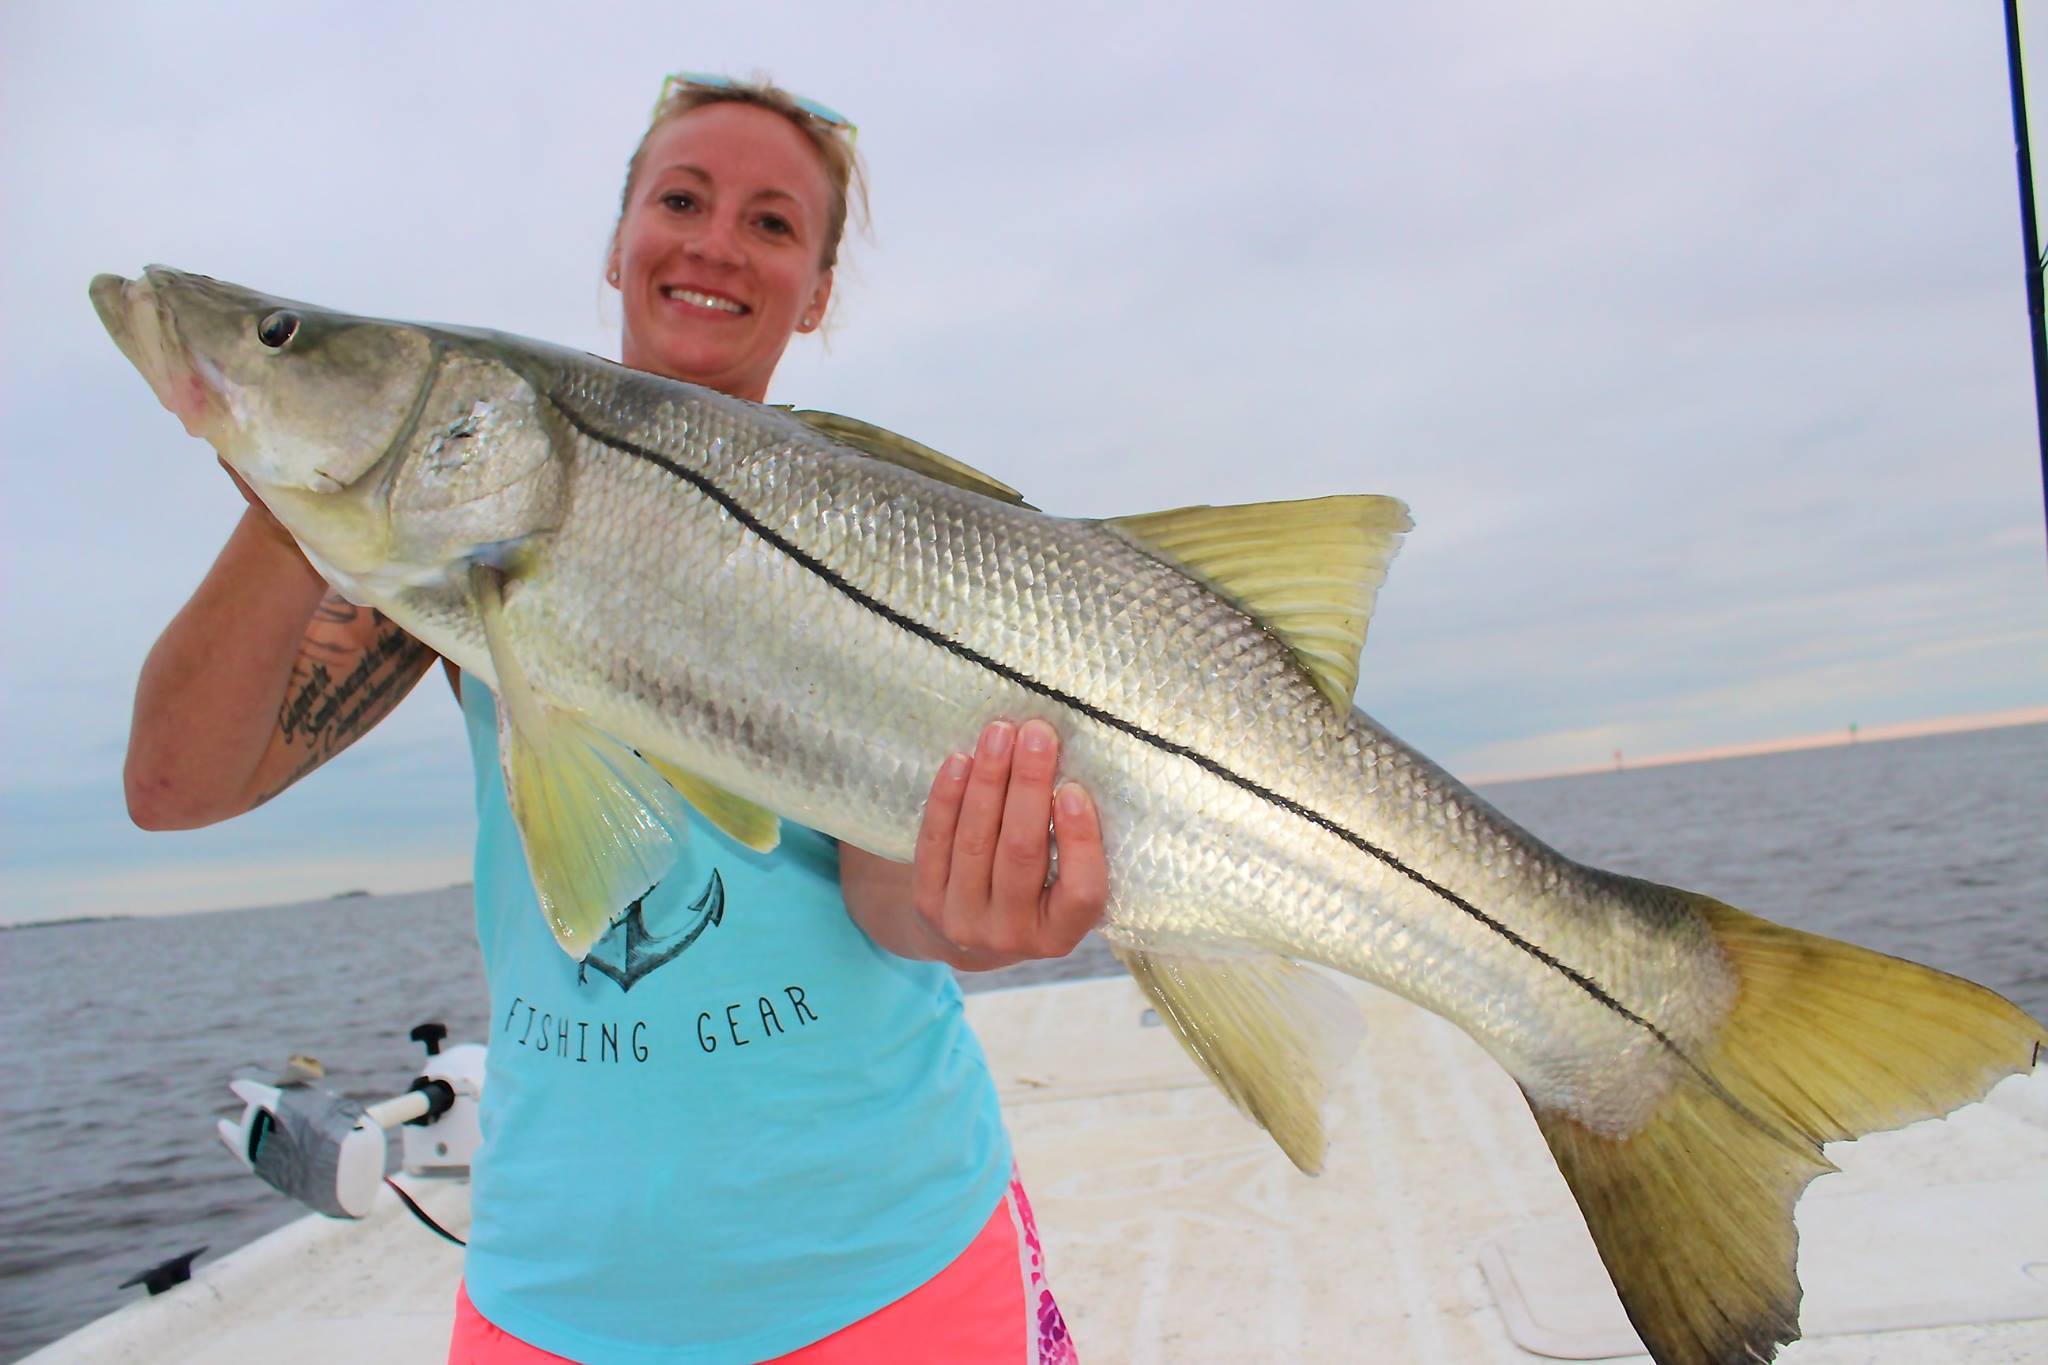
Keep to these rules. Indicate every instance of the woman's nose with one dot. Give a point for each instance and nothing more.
(716, 242)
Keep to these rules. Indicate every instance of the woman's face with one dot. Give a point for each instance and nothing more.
(717, 255)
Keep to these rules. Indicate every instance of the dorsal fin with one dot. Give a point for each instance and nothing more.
(1308, 571)
(886, 445)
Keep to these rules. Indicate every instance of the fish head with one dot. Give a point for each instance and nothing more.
(293, 396)
(394, 453)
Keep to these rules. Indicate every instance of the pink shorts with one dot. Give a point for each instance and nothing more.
(991, 1306)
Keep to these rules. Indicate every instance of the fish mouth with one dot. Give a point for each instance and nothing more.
(144, 326)
(110, 301)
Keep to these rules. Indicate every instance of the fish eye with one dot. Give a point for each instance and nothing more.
(277, 329)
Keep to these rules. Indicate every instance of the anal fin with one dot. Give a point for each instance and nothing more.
(1270, 1032)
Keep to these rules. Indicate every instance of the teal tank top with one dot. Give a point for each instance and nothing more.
(735, 1128)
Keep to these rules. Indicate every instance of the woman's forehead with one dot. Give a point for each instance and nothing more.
(741, 148)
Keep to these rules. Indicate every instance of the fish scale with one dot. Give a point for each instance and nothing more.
(805, 613)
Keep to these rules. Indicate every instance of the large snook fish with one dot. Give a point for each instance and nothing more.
(796, 615)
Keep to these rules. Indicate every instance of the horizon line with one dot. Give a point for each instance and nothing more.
(440, 879)
(1826, 739)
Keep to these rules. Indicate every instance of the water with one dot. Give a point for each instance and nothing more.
(1930, 849)
(119, 1036)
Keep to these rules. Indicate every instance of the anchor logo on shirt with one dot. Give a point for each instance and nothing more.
(626, 952)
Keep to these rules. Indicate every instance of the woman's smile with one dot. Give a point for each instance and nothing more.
(702, 300)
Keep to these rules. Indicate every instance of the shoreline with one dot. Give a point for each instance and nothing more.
(1829, 739)
(8, 925)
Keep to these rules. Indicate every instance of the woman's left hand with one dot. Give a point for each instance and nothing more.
(978, 894)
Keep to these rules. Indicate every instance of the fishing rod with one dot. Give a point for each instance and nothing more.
(2037, 317)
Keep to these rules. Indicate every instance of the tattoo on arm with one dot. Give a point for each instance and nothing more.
(336, 610)
(338, 691)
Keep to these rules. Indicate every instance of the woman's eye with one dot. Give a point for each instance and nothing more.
(678, 201)
(776, 224)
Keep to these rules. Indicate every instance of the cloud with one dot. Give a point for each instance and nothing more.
(1691, 333)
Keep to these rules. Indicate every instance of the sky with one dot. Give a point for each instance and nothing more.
(1691, 333)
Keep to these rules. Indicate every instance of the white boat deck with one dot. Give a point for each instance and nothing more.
(1175, 1231)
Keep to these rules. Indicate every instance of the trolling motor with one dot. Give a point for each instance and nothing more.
(327, 1151)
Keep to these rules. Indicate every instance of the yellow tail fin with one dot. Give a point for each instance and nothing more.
(1692, 1213)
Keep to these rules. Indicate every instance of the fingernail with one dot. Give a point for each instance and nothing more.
(995, 741)
(1037, 736)
(955, 767)
(1072, 800)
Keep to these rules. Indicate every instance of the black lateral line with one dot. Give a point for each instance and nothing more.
(896, 618)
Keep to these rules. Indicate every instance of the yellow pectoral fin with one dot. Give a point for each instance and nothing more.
(746, 823)
(594, 819)
(1308, 571)
(1271, 1033)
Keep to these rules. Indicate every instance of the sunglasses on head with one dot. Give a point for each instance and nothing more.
(707, 80)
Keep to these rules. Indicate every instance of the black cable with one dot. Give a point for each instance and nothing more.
(421, 1213)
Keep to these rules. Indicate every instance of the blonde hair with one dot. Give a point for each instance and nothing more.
(844, 175)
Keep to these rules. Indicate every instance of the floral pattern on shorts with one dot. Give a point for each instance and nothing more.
(1055, 1347)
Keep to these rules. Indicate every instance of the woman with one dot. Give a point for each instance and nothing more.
(740, 1129)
